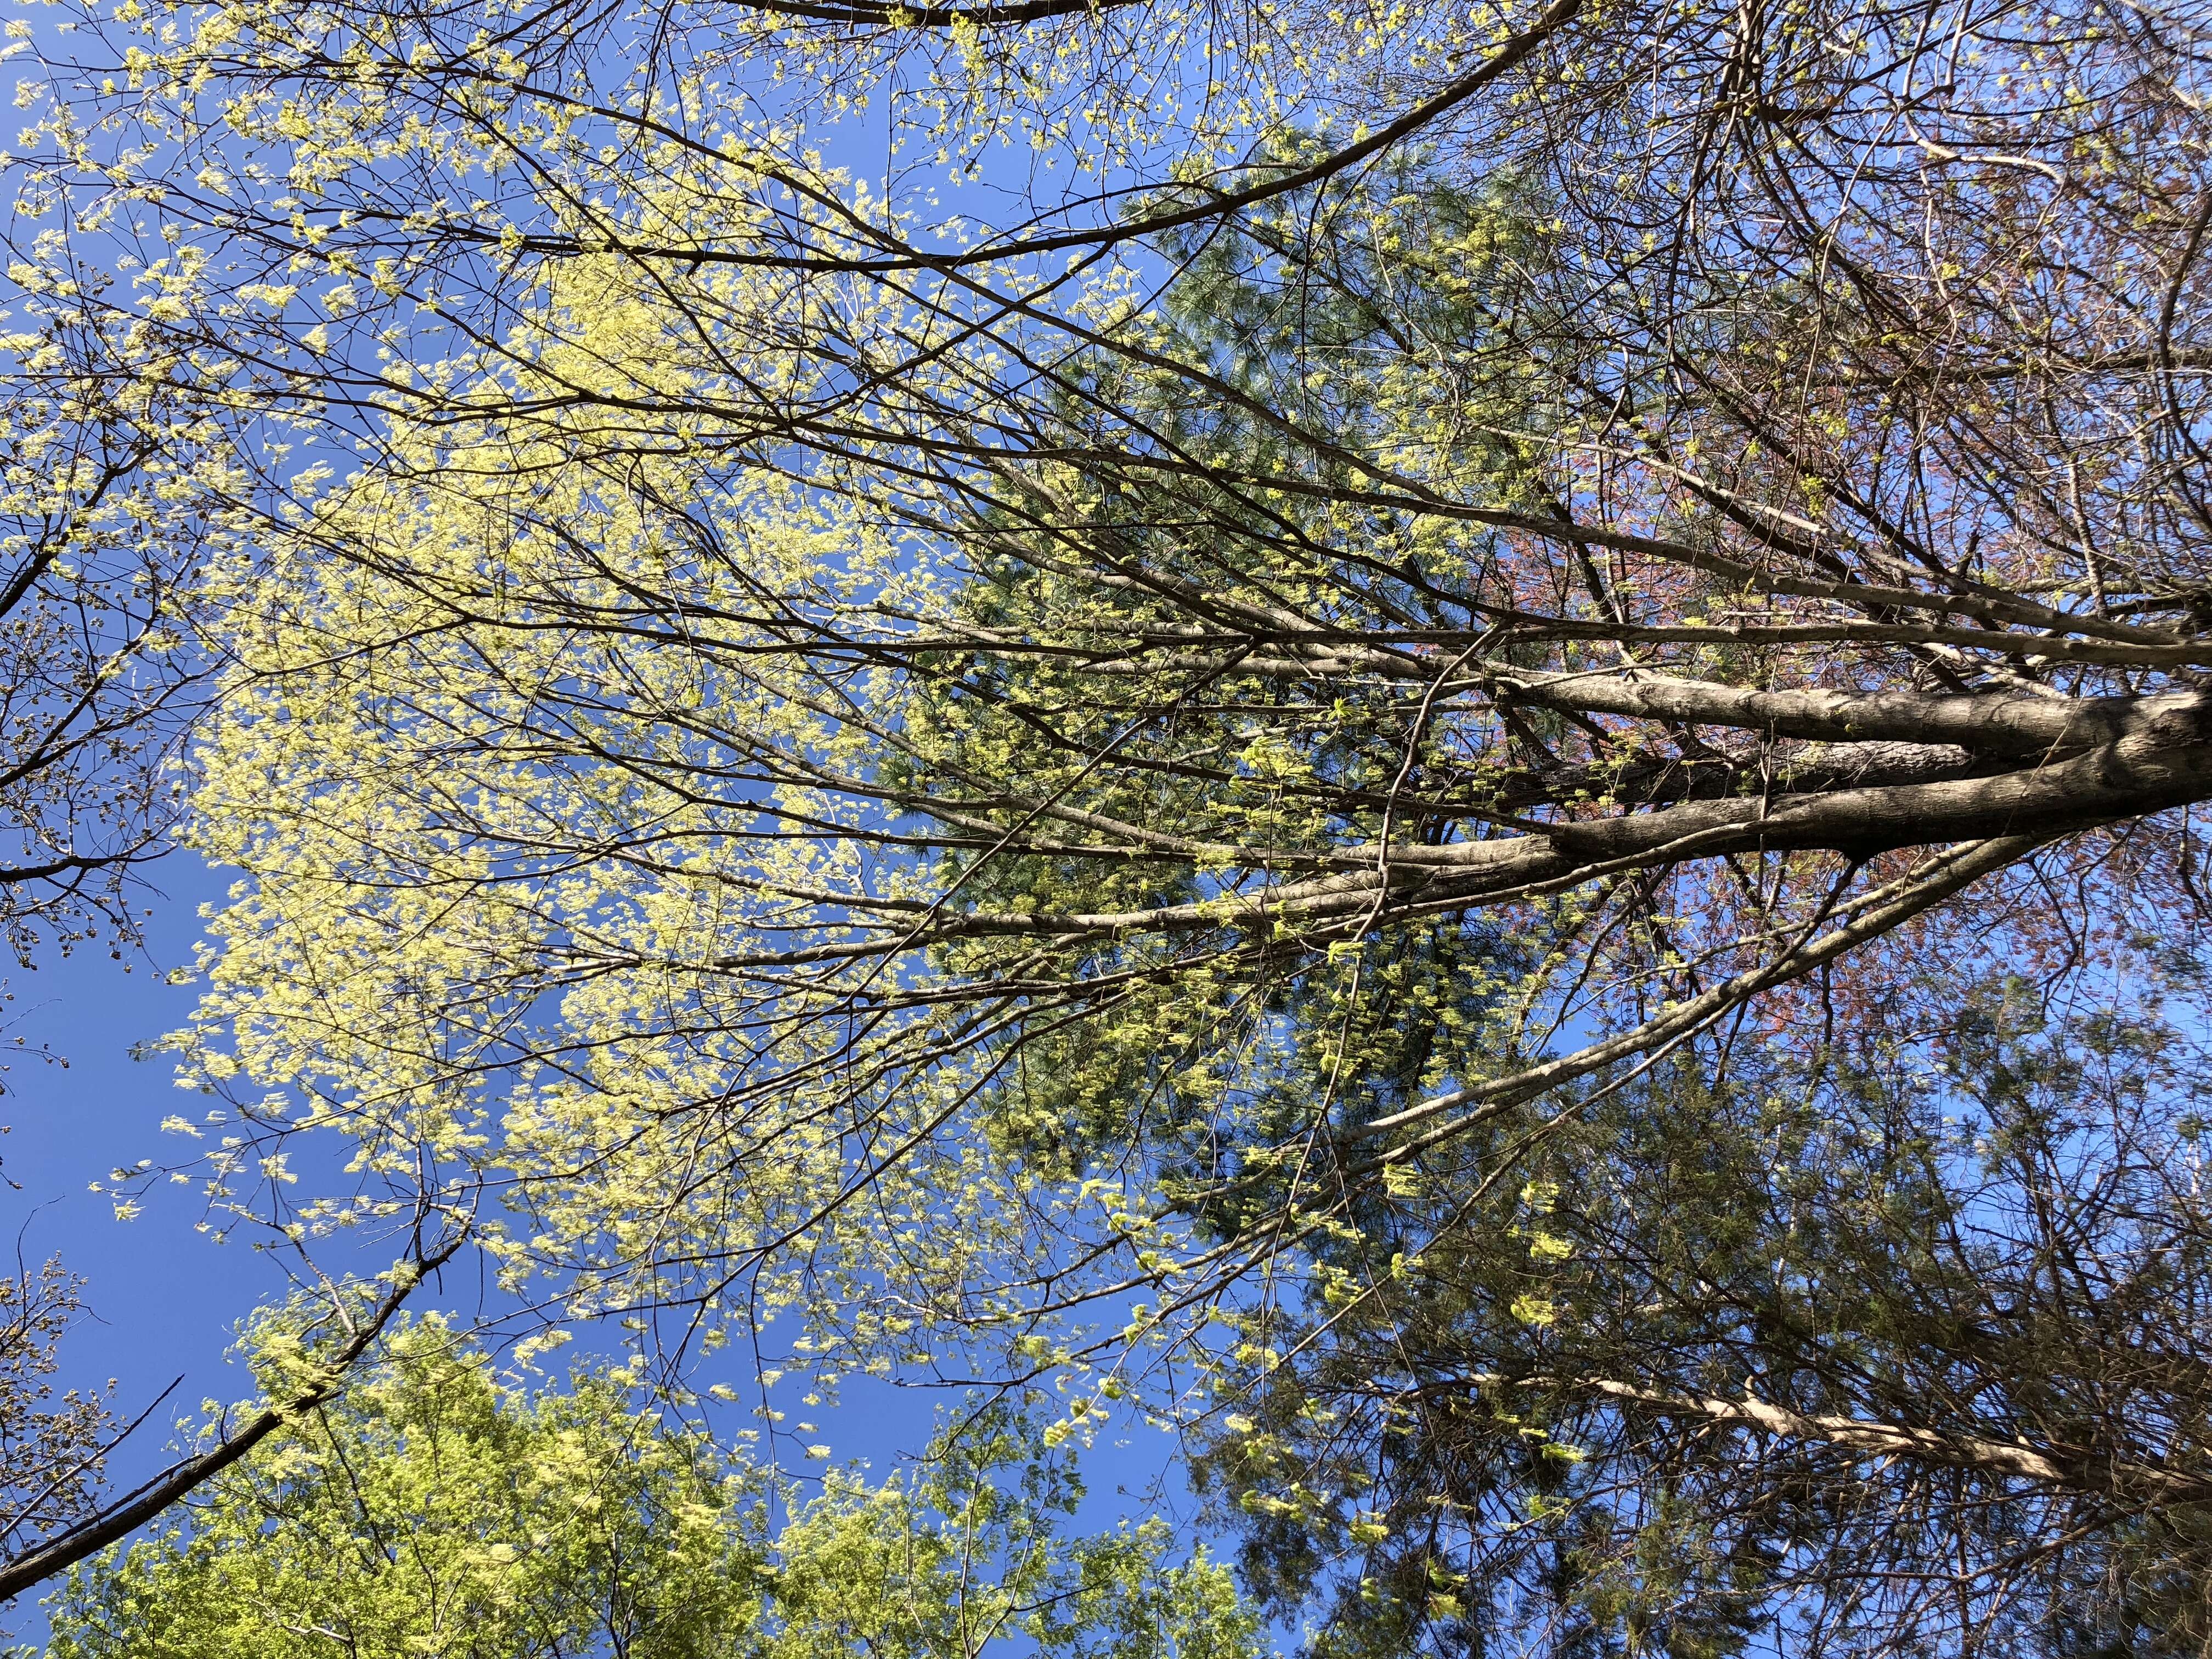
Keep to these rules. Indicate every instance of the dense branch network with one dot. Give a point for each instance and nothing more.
(941, 752)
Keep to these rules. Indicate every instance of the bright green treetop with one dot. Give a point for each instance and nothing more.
(435, 1510)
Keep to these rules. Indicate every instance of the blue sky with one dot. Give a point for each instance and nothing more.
(164, 1297)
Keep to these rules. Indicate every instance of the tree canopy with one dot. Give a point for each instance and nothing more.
(1474, 735)
(438, 1510)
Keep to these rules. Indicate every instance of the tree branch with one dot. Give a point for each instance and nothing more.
(118, 1520)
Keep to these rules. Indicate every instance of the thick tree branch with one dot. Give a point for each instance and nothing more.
(1989, 723)
(2165, 761)
(120, 1519)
